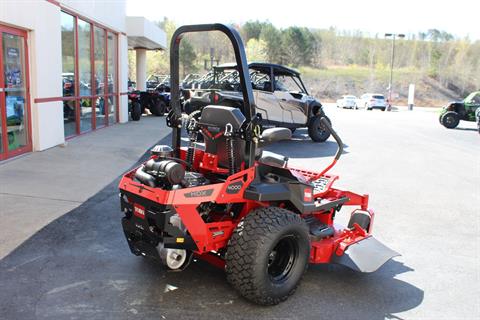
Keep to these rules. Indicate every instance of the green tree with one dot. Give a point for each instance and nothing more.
(298, 46)
(256, 50)
(273, 42)
(252, 30)
(187, 57)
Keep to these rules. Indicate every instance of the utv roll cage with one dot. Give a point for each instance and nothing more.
(271, 69)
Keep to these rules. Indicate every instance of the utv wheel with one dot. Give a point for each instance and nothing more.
(450, 120)
(440, 118)
(267, 255)
(136, 111)
(159, 108)
(384, 108)
(317, 131)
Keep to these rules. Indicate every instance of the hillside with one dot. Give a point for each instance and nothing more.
(335, 62)
(329, 84)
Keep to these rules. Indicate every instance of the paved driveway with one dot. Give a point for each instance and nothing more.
(423, 181)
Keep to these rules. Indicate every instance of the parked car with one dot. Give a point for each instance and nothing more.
(460, 110)
(347, 101)
(371, 101)
(280, 95)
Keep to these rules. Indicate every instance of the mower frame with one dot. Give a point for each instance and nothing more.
(208, 217)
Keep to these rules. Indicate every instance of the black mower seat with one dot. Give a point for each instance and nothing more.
(273, 159)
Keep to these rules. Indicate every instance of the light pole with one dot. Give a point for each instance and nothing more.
(393, 35)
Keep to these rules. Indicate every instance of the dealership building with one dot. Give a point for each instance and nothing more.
(64, 69)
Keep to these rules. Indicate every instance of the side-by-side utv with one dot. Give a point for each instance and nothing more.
(242, 209)
(460, 110)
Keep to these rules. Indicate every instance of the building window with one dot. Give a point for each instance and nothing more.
(89, 75)
(68, 73)
(112, 77)
(99, 45)
(85, 75)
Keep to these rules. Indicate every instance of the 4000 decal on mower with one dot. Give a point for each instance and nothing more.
(240, 208)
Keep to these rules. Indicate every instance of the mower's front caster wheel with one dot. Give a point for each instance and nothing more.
(136, 111)
(317, 131)
(159, 108)
(267, 255)
(450, 120)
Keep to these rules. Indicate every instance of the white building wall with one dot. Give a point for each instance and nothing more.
(123, 77)
(109, 13)
(42, 19)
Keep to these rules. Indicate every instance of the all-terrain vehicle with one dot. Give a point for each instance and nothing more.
(241, 209)
(156, 99)
(460, 110)
(281, 97)
(189, 80)
(134, 106)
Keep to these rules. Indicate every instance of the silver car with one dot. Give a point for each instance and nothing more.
(347, 101)
(371, 101)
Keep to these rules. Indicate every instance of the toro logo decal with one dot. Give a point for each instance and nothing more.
(307, 195)
(199, 193)
(234, 187)
(139, 211)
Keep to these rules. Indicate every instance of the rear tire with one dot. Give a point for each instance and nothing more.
(317, 131)
(267, 255)
(450, 120)
(136, 111)
(159, 108)
(477, 117)
(383, 109)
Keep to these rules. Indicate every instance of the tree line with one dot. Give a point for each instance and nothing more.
(436, 54)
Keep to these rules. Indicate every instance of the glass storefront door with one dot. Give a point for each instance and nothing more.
(14, 109)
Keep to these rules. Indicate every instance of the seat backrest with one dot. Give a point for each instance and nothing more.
(267, 86)
(213, 121)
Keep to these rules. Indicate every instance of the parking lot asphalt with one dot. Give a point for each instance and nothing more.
(423, 184)
(39, 187)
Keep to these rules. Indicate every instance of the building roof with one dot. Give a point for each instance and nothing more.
(142, 33)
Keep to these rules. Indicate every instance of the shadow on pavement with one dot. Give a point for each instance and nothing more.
(301, 146)
(79, 266)
(466, 129)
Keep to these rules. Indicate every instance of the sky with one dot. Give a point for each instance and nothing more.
(369, 16)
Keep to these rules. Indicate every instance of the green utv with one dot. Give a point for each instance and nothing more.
(461, 110)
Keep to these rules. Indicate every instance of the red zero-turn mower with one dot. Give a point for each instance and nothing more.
(241, 209)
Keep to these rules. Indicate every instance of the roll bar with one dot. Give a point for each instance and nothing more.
(248, 107)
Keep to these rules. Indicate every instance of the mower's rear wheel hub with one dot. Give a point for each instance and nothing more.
(282, 258)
